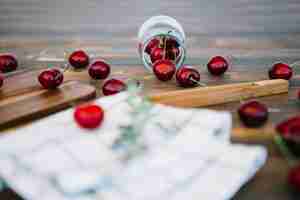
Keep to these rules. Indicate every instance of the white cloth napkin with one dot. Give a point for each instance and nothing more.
(187, 155)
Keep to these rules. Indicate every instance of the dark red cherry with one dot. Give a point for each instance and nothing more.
(151, 45)
(79, 59)
(89, 116)
(294, 178)
(164, 70)
(172, 53)
(1, 80)
(217, 66)
(8, 63)
(171, 42)
(289, 131)
(51, 78)
(113, 86)
(187, 76)
(281, 71)
(157, 54)
(99, 70)
(253, 113)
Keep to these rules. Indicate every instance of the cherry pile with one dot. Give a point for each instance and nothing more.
(163, 48)
(98, 70)
(163, 64)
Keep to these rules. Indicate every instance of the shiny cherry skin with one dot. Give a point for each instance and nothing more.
(89, 116)
(1, 80)
(164, 70)
(253, 113)
(99, 70)
(113, 86)
(172, 53)
(79, 59)
(289, 130)
(157, 54)
(281, 71)
(294, 178)
(8, 63)
(187, 76)
(217, 65)
(151, 45)
(51, 78)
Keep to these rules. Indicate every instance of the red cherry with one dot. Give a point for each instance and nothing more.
(99, 70)
(8, 63)
(172, 53)
(89, 116)
(157, 54)
(170, 43)
(151, 45)
(79, 59)
(253, 113)
(294, 177)
(113, 86)
(1, 80)
(281, 71)
(51, 78)
(289, 131)
(187, 76)
(217, 65)
(164, 70)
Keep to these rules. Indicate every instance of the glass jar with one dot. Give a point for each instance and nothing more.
(161, 37)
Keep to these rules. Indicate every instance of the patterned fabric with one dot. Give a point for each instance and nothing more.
(176, 154)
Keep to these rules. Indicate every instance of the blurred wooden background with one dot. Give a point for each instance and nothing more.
(256, 32)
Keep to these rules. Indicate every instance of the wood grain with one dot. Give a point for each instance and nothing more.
(213, 95)
(255, 32)
(35, 104)
(269, 183)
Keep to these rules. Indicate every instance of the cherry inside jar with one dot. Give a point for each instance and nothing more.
(161, 38)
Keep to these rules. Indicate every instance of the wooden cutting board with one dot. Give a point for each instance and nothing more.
(23, 99)
(34, 102)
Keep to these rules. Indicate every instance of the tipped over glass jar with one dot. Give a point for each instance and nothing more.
(161, 37)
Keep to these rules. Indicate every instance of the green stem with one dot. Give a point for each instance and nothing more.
(285, 151)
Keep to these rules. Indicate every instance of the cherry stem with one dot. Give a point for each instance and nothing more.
(285, 151)
(198, 82)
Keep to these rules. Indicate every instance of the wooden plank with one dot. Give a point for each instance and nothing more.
(213, 95)
(35, 104)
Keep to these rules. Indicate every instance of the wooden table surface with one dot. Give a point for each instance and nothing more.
(256, 33)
